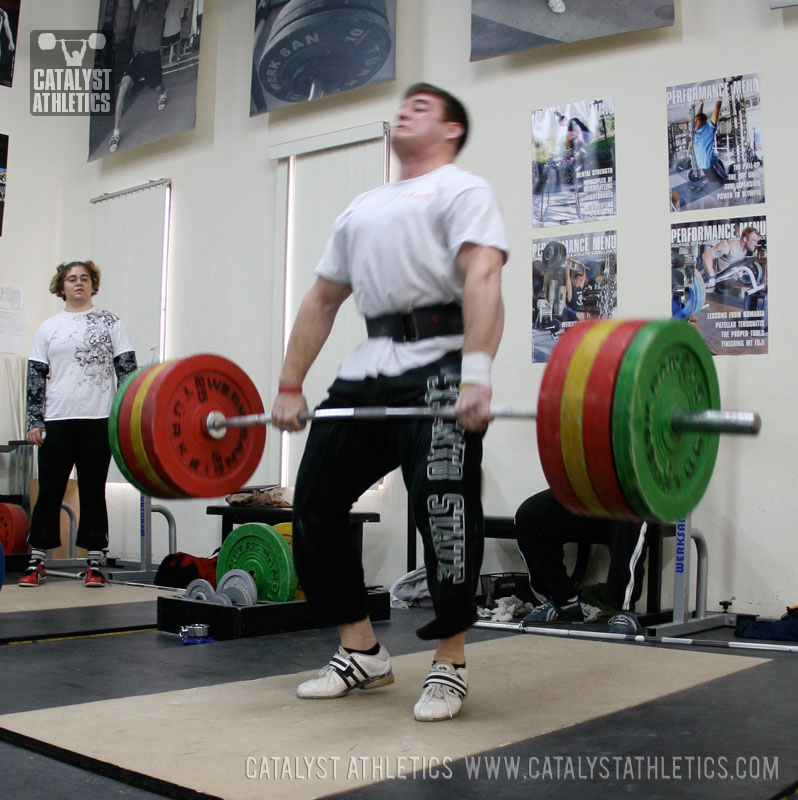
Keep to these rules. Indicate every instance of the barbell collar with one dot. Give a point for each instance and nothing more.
(710, 421)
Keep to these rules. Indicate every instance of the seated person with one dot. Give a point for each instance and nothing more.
(543, 526)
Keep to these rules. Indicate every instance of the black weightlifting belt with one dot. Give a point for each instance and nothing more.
(420, 323)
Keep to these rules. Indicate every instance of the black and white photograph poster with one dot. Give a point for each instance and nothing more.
(719, 282)
(306, 50)
(715, 144)
(573, 163)
(155, 59)
(9, 22)
(510, 26)
(573, 279)
(3, 172)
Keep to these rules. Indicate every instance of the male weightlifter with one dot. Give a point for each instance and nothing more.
(423, 258)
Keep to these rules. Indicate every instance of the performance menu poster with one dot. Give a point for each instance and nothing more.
(573, 278)
(719, 282)
(573, 167)
(715, 152)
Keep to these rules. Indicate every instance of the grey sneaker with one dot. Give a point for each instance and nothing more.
(347, 671)
(444, 690)
(624, 622)
(569, 612)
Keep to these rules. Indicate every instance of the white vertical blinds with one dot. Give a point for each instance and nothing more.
(322, 183)
(130, 246)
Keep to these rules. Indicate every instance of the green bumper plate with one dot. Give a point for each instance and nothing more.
(664, 473)
(261, 551)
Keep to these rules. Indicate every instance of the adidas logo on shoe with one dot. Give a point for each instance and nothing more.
(347, 671)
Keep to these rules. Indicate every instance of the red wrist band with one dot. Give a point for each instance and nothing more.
(289, 390)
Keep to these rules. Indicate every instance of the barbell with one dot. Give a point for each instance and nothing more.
(627, 420)
(47, 41)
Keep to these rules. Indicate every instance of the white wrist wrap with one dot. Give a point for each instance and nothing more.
(476, 368)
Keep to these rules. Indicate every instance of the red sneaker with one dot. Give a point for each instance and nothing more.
(34, 575)
(93, 575)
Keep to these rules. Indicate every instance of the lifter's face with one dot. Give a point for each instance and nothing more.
(420, 124)
(751, 242)
(77, 285)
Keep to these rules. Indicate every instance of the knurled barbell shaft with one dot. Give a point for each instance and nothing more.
(711, 421)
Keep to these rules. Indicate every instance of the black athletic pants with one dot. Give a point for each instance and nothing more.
(441, 466)
(543, 526)
(82, 443)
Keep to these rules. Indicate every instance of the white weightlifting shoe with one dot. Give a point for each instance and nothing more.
(347, 671)
(557, 6)
(444, 690)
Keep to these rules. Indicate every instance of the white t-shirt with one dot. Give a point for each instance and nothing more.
(397, 246)
(79, 348)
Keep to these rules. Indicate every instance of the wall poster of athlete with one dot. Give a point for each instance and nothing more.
(715, 151)
(719, 282)
(574, 278)
(573, 163)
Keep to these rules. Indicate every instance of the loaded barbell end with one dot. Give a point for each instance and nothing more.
(717, 421)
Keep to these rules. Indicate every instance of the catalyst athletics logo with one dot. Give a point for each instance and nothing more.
(72, 73)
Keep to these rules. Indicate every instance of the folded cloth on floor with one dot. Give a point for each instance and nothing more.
(785, 628)
(509, 607)
(411, 590)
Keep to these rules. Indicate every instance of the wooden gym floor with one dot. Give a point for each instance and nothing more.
(95, 703)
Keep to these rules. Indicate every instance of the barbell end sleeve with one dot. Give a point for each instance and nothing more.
(717, 421)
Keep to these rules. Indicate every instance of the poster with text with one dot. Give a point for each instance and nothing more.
(9, 22)
(304, 51)
(154, 62)
(3, 171)
(509, 26)
(715, 144)
(573, 279)
(573, 163)
(719, 281)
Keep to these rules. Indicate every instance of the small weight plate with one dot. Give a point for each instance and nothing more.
(572, 408)
(597, 422)
(200, 589)
(221, 600)
(286, 530)
(239, 586)
(261, 551)
(664, 473)
(548, 417)
(175, 435)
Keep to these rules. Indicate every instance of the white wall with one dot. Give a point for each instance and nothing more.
(224, 208)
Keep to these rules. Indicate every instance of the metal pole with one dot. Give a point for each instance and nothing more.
(572, 633)
(712, 421)
(170, 521)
